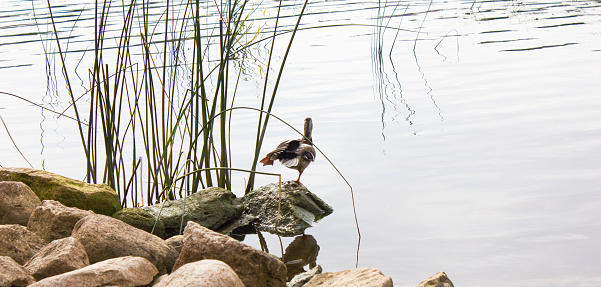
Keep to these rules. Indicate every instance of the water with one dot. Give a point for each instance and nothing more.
(473, 150)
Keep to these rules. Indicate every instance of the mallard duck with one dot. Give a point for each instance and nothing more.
(294, 154)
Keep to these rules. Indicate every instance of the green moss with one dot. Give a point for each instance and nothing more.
(212, 208)
(99, 198)
(140, 218)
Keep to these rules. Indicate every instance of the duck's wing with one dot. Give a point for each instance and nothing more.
(284, 150)
(290, 162)
(290, 156)
(298, 158)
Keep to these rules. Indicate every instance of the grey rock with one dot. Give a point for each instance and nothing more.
(301, 279)
(126, 271)
(240, 227)
(13, 274)
(104, 237)
(203, 273)
(52, 220)
(439, 279)
(299, 209)
(254, 267)
(19, 243)
(140, 218)
(17, 201)
(60, 256)
(213, 208)
(362, 277)
(100, 198)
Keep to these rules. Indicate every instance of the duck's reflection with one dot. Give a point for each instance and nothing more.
(301, 251)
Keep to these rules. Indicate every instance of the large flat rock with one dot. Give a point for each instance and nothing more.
(125, 271)
(100, 198)
(212, 208)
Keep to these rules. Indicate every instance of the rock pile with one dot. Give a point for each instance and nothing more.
(47, 243)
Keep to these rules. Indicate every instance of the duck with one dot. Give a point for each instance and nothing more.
(294, 154)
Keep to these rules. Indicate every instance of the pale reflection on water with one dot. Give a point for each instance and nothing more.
(474, 150)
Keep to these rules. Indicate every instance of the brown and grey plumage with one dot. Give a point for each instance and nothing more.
(294, 154)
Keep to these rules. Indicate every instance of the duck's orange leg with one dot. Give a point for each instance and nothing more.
(299, 175)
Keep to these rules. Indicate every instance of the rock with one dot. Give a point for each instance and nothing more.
(254, 267)
(17, 201)
(440, 279)
(100, 198)
(299, 208)
(52, 220)
(240, 227)
(301, 251)
(19, 243)
(142, 219)
(60, 256)
(157, 280)
(13, 274)
(362, 277)
(176, 242)
(122, 271)
(213, 208)
(104, 237)
(204, 273)
(301, 279)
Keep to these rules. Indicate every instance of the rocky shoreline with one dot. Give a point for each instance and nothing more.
(61, 237)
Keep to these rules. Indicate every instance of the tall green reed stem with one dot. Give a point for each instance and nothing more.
(158, 95)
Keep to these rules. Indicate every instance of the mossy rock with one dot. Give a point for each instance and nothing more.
(99, 198)
(142, 219)
(213, 208)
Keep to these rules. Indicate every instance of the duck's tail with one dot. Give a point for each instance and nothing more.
(266, 161)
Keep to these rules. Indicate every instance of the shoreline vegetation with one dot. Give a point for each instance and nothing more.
(155, 121)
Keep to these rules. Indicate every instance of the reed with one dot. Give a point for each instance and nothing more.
(155, 123)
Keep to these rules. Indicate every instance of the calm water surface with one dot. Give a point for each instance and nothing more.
(471, 137)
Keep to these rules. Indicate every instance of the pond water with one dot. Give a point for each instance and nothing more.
(469, 131)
